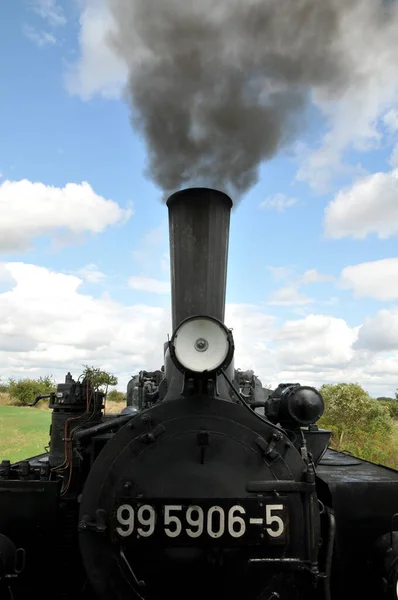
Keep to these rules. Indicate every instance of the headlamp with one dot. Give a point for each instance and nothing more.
(201, 344)
(301, 404)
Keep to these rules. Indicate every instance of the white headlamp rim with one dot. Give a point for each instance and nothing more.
(191, 351)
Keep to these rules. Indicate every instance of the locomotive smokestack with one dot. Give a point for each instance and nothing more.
(199, 233)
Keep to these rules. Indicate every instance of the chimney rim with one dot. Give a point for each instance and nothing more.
(193, 194)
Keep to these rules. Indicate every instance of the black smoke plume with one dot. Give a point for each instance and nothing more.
(218, 86)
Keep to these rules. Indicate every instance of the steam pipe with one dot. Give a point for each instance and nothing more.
(199, 234)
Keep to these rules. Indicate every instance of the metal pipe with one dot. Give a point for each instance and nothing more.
(199, 235)
(329, 552)
(102, 427)
(279, 486)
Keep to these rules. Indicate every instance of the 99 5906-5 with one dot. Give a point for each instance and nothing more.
(245, 520)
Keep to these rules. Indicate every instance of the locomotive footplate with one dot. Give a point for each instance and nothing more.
(251, 521)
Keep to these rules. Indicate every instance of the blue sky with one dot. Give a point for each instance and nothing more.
(310, 293)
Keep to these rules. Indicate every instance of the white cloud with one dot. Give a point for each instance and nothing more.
(368, 206)
(165, 264)
(390, 120)
(377, 279)
(316, 341)
(394, 157)
(6, 277)
(313, 276)
(279, 273)
(309, 276)
(288, 296)
(380, 333)
(151, 253)
(313, 350)
(253, 331)
(98, 69)
(40, 38)
(49, 326)
(91, 274)
(278, 202)
(319, 167)
(147, 284)
(30, 209)
(50, 11)
(352, 117)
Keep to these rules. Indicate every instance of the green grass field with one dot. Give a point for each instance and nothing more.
(24, 432)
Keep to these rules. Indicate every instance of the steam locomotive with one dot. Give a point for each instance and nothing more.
(206, 485)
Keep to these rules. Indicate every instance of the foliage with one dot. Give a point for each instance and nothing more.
(100, 380)
(24, 391)
(376, 448)
(3, 386)
(391, 405)
(359, 424)
(115, 396)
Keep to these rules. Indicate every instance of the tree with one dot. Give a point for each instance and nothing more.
(100, 380)
(3, 386)
(115, 396)
(349, 410)
(24, 391)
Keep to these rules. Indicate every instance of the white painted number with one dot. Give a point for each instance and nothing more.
(270, 519)
(146, 517)
(233, 521)
(212, 529)
(127, 521)
(197, 522)
(168, 519)
(216, 522)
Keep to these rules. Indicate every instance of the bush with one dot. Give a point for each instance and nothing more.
(359, 424)
(115, 396)
(3, 387)
(392, 407)
(24, 391)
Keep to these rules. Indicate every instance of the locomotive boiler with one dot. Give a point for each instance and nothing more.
(205, 485)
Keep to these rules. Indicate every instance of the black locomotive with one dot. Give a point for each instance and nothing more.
(205, 485)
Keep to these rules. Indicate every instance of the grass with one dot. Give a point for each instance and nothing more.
(24, 432)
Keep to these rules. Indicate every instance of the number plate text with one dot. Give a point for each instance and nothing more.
(249, 520)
